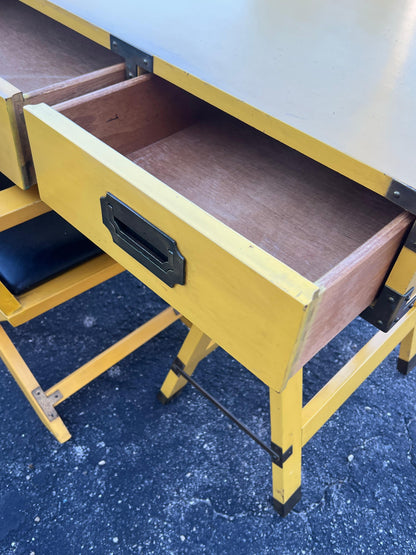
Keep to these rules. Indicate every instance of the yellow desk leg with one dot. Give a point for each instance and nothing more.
(196, 346)
(407, 354)
(286, 434)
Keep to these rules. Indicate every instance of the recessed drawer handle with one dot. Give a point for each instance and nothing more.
(143, 241)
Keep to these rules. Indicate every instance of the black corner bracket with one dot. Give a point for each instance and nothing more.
(278, 457)
(402, 195)
(133, 56)
(388, 308)
(410, 242)
(177, 367)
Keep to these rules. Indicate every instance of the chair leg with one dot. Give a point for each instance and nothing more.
(407, 354)
(196, 347)
(42, 405)
(286, 434)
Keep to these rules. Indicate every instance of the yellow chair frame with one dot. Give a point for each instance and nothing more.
(18, 206)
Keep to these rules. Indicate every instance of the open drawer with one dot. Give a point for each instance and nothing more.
(268, 252)
(42, 61)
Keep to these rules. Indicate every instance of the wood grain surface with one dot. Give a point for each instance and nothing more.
(296, 209)
(135, 113)
(36, 51)
(302, 213)
(352, 285)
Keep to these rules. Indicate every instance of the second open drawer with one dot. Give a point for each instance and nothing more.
(42, 61)
(268, 252)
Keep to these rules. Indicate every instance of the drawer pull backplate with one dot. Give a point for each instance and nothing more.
(143, 241)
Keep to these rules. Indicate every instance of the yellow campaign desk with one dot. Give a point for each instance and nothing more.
(267, 252)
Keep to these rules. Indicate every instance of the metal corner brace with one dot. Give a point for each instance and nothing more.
(388, 308)
(46, 403)
(402, 195)
(133, 56)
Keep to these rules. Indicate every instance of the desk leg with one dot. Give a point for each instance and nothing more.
(286, 429)
(407, 354)
(196, 346)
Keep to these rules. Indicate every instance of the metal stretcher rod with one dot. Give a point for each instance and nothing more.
(277, 457)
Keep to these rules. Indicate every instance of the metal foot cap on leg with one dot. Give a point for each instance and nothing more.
(284, 508)
(405, 366)
(161, 397)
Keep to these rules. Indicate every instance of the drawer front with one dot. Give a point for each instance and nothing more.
(248, 302)
(15, 155)
(12, 160)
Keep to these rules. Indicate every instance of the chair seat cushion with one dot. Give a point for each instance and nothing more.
(40, 249)
(5, 183)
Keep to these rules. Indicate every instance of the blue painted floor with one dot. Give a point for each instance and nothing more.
(139, 477)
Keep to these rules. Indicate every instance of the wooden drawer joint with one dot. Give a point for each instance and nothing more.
(134, 57)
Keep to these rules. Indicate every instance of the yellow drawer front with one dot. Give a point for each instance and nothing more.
(12, 162)
(247, 301)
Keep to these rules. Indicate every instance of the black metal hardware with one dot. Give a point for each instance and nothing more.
(388, 308)
(284, 508)
(133, 56)
(280, 457)
(410, 242)
(143, 241)
(275, 451)
(402, 195)
(405, 366)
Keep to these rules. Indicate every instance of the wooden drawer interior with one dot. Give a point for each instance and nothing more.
(326, 227)
(37, 53)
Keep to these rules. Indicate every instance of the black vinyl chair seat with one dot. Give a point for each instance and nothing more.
(5, 183)
(40, 249)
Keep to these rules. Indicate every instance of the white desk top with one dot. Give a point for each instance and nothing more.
(342, 72)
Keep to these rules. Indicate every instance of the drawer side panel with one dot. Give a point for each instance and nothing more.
(352, 285)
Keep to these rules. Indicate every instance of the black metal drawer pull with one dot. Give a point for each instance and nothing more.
(143, 241)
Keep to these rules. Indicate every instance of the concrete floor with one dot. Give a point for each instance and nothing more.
(139, 477)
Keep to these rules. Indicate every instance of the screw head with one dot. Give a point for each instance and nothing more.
(380, 322)
(396, 194)
(391, 299)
